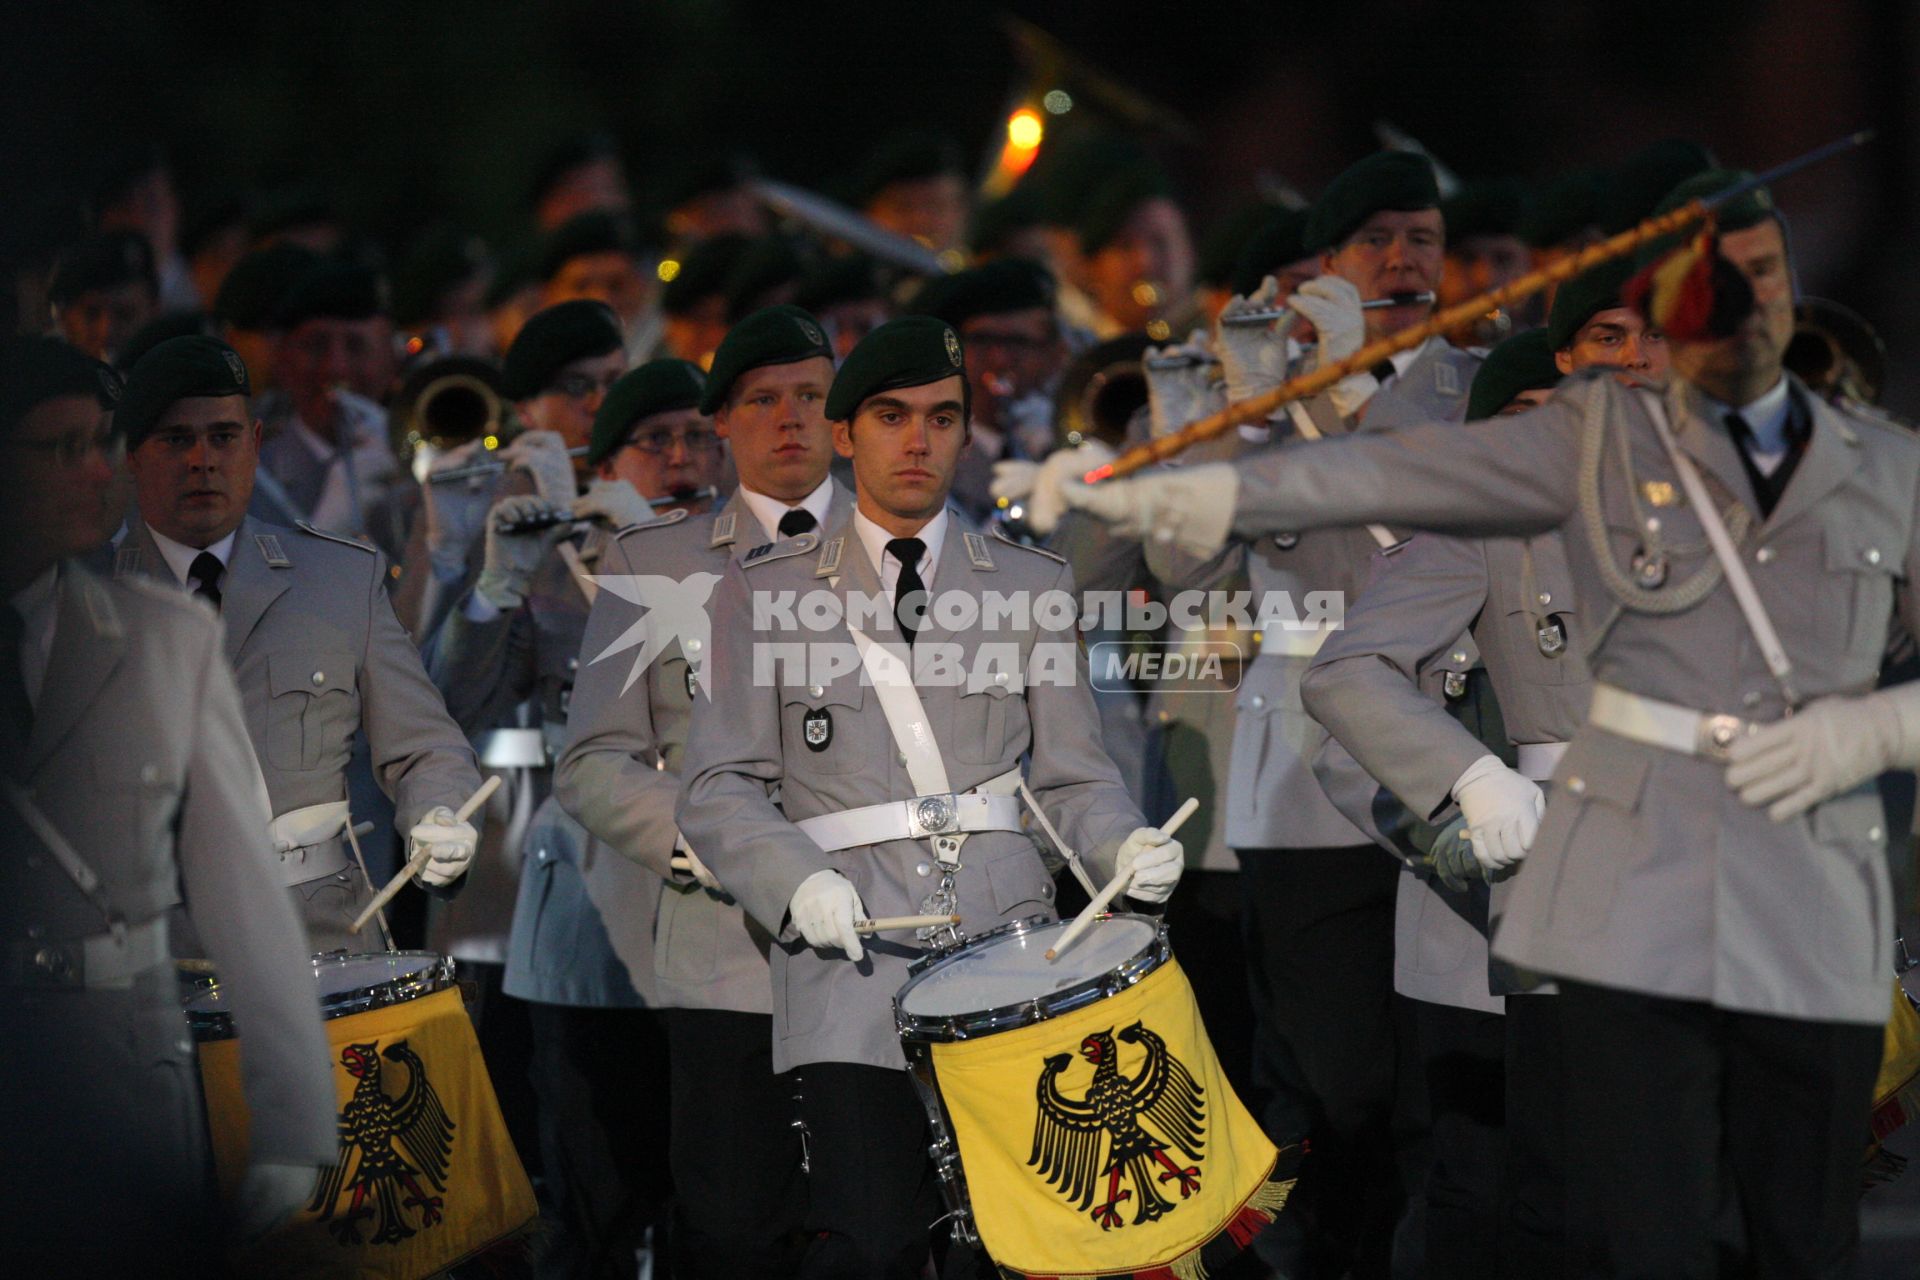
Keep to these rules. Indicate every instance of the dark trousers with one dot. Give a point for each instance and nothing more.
(602, 1082)
(874, 1198)
(1705, 1142)
(739, 1193)
(1319, 934)
(1494, 1090)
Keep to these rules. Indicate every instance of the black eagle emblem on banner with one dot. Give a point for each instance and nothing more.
(388, 1146)
(1123, 1127)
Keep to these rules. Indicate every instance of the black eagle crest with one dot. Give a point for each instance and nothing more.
(387, 1146)
(1075, 1141)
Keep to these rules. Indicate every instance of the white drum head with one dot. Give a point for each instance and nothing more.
(1013, 968)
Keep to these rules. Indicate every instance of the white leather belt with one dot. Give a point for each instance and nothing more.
(1668, 725)
(309, 842)
(111, 959)
(514, 749)
(1538, 760)
(1289, 642)
(990, 807)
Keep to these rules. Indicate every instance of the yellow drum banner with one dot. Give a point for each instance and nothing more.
(1108, 1143)
(427, 1175)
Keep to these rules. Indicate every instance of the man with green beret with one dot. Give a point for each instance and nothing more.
(735, 1155)
(837, 848)
(319, 655)
(1015, 352)
(1710, 891)
(849, 297)
(249, 299)
(597, 255)
(1484, 252)
(130, 788)
(1590, 325)
(577, 175)
(1136, 254)
(580, 949)
(326, 456)
(104, 289)
(915, 185)
(440, 292)
(693, 303)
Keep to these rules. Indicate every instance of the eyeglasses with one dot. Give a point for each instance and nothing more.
(578, 386)
(76, 447)
(659, 442)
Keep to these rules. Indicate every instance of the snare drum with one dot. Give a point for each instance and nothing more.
(1082, 1125)
(426, 1175)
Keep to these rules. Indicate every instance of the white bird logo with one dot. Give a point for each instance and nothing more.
(671, 609)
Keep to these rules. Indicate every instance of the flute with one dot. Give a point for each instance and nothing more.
(1267, 315)
(560, 515)
(488, 466)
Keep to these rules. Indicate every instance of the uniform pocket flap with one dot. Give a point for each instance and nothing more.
(1860, 551)
(310, 671)
(841, 693)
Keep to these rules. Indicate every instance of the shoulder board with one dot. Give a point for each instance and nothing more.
(1000, 535)
(672, 517)
(768, 552)
(341, 538)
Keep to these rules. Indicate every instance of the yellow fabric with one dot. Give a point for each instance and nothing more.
(1900, 1059)
(484, 1193)
(993, 1088)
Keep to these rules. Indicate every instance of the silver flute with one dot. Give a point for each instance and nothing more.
(487, 466)
(560, 515)
(1267, 315)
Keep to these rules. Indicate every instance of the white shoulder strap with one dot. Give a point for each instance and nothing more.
(906, 716)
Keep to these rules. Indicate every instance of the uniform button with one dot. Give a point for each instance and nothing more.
(999, 677)
(1257, 701)
(1546, 597)
(1577, 785)
(923, 869)
(814, 691)
(692, 645)
(1873, 555)
(1046, 891)
(573, 664)
(1764, 555)
(149, 774)
(319, 677)
(1874, 833)
(1751, 698)
(1460, 655)
(900, 758)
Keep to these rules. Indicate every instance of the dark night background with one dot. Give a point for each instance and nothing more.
(434, 109)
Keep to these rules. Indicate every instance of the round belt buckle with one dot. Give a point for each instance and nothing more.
(934, 814)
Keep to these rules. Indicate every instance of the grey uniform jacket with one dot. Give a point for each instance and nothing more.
(626, 745)
(1648, 873)
(1273, 799)
(751, 739)
(583, 920)
(139, 758)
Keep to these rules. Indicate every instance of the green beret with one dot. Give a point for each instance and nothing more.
(851, 277)
(439, 261)
(1399, 181)
(173, 324)
(1003, 285)
(1066, 173)
(598, 231)
(1563, 208)
(1585, 296)
(909, 352)
(657, 386)
(104, 261)
(252, 291)
(1220, 248)
(1523, 362)
(176, 370)
(995, 222)
(332, 290)
(769, 263)
(554, 338)
(773, 335)
(1114, 200)
(1277, 244)
(704, 270)
(1645, 177)
(1748, 210)
(35, 369)
(909, 156)
(1486, 207)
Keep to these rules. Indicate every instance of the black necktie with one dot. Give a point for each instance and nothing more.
(909, 593)
(205, 572)
(16, 709)
(796, 522)
(1382, 371)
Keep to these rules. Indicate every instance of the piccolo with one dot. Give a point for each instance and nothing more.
(552, 516)
(1180, 360)
(489, 466)
(1267, 315)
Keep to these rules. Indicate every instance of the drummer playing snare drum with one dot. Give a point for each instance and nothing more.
(898, 795)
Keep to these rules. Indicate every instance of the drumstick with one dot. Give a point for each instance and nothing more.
(1115, 885)
(678, 862)
(887, 924)
(419, 860)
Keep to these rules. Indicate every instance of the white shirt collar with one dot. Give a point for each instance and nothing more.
(180, 557)
(38, 604)
(1766, 416)
(875, 540)
(769, 510)
(1402, 360)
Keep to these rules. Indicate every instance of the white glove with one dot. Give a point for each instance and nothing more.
(543, 455)
(1190, 507)
(1333, 305)
(1176, 397)
(1037, 484)
(702, 876)
(615, 501)
(1253, 358)
(452, 844)
(1502, 810)
(1155, 862)
(512, 558)
(455, 511)
(1828, 747)
(824, 908)
(269, 1194)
